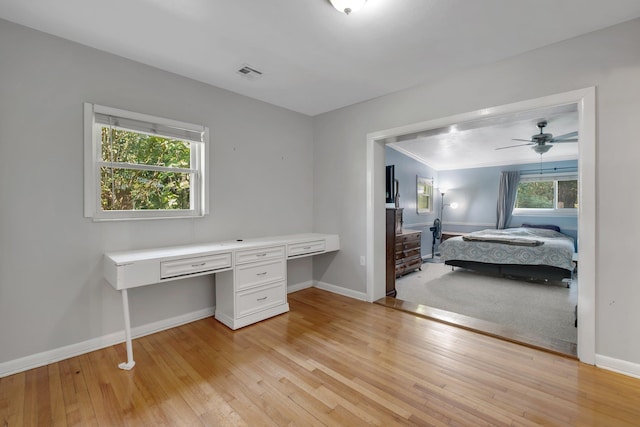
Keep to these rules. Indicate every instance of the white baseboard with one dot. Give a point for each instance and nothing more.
(616, 365)
(299, 286)
(341, 291)
(50, 356)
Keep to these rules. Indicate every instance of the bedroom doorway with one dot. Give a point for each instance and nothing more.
(467, 161)
(585, 101)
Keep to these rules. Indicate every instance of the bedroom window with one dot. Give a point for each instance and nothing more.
(139, 166)
(557, 194)
(424, 197)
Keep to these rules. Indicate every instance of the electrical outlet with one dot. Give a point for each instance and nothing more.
(362, 261)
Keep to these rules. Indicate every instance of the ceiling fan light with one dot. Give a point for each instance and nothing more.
(348, 6)
(541, 149)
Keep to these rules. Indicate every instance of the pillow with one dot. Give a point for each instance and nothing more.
(545, 226)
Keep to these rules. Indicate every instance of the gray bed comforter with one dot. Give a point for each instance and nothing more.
(509, 246)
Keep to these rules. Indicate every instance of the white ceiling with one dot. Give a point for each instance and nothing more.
(473, 144)
(315, 59)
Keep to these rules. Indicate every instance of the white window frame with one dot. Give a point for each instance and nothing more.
(93, 161)
(567, 176)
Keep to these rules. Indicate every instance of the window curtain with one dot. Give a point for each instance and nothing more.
(507, 197)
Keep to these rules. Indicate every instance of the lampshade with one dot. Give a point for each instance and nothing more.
(348, 6)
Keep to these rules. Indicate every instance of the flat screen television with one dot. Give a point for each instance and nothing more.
(390, 178)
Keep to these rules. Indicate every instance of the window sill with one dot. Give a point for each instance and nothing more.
(546, 212)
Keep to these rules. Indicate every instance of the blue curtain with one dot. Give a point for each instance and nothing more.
(507, 197)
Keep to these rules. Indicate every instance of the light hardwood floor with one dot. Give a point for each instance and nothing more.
(330, 361)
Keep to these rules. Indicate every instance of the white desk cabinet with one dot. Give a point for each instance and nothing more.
(251, 275)
(255, 289)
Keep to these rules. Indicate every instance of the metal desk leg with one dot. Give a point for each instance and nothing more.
(127, 333)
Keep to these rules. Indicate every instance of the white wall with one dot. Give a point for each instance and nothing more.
(608, 59)
(52, 293)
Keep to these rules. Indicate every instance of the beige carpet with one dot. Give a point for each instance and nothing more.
(545, 309)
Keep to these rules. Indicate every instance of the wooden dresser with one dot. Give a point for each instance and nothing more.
(403, 252)
(407, 252)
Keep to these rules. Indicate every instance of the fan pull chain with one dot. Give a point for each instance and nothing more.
(540, 163)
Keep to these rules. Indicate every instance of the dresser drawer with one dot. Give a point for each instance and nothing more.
(409, 253)
(408, 259)
(253, 300)
(414, 263)
(258, 273)
(408, 266)
(303, 248)
(410, 237)
(261, 254)
(194, 265)
(406, 246)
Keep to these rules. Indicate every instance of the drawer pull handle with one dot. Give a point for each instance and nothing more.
(261, 255)
(261, 274)
(307, 247)
(198, 265)
(261, 299)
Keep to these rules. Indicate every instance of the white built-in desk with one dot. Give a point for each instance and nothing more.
(251, 274)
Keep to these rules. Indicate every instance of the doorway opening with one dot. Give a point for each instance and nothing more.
(585, 101)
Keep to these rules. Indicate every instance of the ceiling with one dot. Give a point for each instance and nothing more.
(313, 58)
(474, 143)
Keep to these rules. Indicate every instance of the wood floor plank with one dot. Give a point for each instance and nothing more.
(331, 361)
(55, 397)
(12, 398)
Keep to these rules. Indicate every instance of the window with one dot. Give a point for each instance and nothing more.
(424, 200)
(139, 166)
(556, 194)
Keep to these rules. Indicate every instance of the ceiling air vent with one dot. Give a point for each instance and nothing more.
(249, 72)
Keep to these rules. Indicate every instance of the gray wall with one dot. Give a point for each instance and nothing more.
(52, 292)
(608, 59)
(406, 172)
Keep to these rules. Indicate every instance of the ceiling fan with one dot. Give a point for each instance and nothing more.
(541, 142)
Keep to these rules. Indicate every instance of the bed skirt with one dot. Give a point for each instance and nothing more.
(538, 272)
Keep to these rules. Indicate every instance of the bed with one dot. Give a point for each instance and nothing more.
(535, 253)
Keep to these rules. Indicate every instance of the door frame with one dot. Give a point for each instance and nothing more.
(375, 200)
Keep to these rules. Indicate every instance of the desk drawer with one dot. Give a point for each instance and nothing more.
(262, 298)
(258, 273)
(303, 248)
(194, 265)
(260, 254)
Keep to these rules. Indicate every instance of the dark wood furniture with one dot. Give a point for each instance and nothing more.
(408, 252)
(393, 221)
(403, 249)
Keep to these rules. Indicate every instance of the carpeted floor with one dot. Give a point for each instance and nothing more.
(545, 309)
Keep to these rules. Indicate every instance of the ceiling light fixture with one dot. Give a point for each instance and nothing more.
(541, 149)
(347, 6)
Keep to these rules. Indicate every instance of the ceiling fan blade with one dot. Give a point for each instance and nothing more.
(512, 146)
(555, 141)
(565, 136)
(518, 139)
